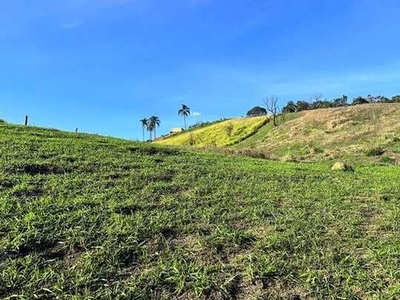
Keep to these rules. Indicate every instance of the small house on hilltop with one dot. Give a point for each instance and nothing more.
(176, 130)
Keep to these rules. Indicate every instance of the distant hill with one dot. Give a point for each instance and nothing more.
(367, 132)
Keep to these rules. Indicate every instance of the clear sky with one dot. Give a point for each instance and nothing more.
(102, 65)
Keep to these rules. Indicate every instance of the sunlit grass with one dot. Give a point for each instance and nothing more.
(220, 134)
(87, 217)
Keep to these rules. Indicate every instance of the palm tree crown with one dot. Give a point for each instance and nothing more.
(184, 111)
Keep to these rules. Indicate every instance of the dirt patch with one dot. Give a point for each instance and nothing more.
(35, 169)
(165, 176)
(72, 258)
(127, 210)
(31, 191)
(153, 151)
(6, 184)
(47, 249)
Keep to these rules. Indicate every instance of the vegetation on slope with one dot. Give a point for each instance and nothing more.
(218, 134)
(97, 218)
(346, 132)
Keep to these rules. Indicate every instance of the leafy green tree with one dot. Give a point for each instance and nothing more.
(359, 100)
(338, 102)
(382, 99)
(145, 123)
(290, 107)
(257, 111)
(396, 99)
(302, 105)
(154, 122)
(185, 112)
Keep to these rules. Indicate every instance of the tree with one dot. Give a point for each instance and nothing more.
(150, 129)
(144, 123)
(396, 99)
(302, 105)
(290, 107)
(359, 100)
(154, 122)
(382, 99)
(317, 97)
(318, 101)
(257, 111)
(338, 102)
(185, 112)
(272, 106)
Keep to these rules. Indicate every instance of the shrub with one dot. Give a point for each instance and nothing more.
(316, 150)
(375, 151)
(229, 129)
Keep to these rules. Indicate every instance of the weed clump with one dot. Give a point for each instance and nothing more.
(375, 151)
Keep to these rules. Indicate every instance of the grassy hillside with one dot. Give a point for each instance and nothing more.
(87, 217)
(219, 134)
(350, 132)
(359, 133)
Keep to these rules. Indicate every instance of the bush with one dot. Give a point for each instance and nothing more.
(2, 121)
(316, 150)
(375, 151)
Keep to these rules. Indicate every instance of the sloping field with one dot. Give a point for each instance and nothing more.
(87, 217)
(220, 134)
(332, 133)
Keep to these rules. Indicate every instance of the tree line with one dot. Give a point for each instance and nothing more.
(318, 102)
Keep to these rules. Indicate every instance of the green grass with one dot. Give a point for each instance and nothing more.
(218, 134)
(88, 217)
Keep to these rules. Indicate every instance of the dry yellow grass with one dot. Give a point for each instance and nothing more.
(331, 133)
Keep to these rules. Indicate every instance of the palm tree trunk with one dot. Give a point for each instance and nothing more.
(143, 133)
(184, 120)
(155, 133)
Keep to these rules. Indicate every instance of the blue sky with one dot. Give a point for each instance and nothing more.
(102, 65)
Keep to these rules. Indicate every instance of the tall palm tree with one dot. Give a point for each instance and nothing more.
(155, 122)
(144, 123)
(185, 112)
(150, 128)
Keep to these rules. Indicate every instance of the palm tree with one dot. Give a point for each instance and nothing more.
(144, 123)
(155, 122)
(150, 128)
(184, 111)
